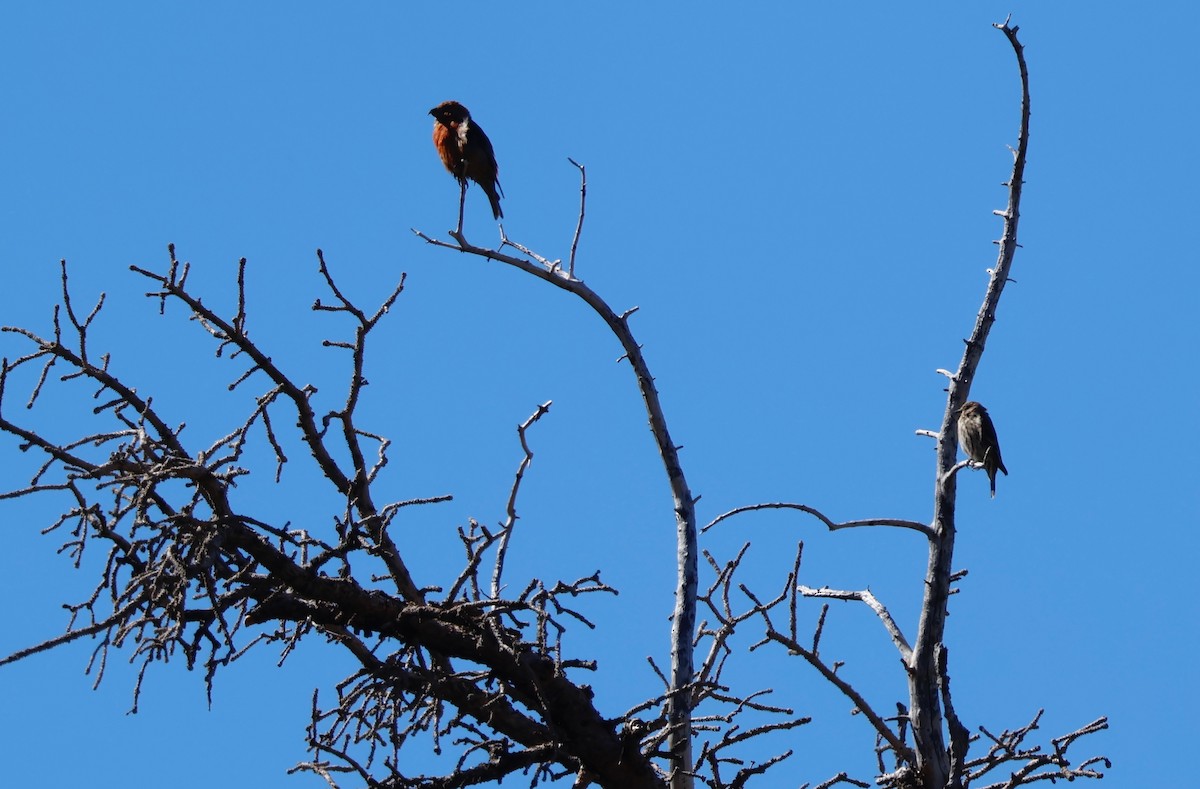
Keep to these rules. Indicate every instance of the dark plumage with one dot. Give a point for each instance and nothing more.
(466, 150)
(977, 435)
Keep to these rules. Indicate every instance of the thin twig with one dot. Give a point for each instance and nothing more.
(579, 224)
(510, 507)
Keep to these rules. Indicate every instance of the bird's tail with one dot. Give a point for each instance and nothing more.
(494, 199)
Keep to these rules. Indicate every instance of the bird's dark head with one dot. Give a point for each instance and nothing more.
(970, 408)
(450, 112)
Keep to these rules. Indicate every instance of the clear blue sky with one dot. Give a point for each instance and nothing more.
(798, 199)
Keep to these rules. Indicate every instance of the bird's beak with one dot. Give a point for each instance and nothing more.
(433, 111)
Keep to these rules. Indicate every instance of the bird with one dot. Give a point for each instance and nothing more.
(466, 151)
(977, 435)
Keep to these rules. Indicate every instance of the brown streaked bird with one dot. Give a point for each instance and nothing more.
(977, 435)
(466, 151)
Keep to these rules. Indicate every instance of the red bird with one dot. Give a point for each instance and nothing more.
(466, 150)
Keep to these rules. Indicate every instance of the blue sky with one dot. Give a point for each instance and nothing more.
(798, 199)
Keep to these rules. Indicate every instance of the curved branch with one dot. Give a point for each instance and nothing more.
(848, 690)
(683, 621)
(831, 524)
(934, 760)
(872, 602)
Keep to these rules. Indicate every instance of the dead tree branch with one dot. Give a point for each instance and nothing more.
(510, 508)
(190, 572)
(829, 523)
(925, 682)
(684, 617)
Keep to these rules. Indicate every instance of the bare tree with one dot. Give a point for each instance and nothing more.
(917, 736)
(457, 664)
